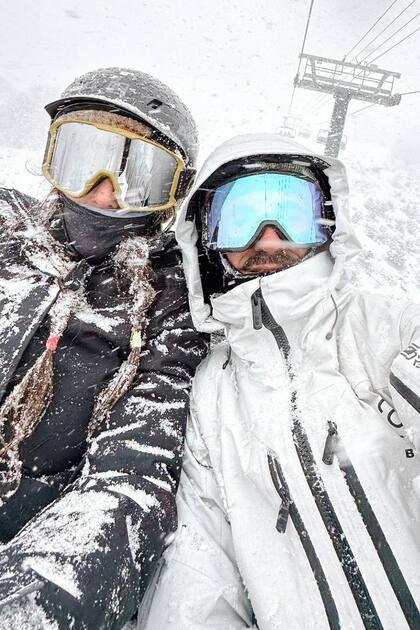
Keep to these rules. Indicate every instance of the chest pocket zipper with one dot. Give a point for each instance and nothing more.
(334, 448)
(281, 489)
(288, 508)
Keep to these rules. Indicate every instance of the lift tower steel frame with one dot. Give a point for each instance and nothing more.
(345, 81)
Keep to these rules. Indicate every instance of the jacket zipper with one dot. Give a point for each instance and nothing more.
(281, 489)
(334, 447)
(331, 522)
(330, 444)
(288, 507)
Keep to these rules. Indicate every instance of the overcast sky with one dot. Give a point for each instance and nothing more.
(233, 62)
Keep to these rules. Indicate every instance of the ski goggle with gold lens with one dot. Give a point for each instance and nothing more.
(144, 174)
(238, 211)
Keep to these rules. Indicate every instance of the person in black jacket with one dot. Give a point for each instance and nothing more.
(97, 353)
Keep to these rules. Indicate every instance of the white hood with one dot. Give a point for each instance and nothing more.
(345, 244)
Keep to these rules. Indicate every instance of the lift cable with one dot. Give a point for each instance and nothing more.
(387, 27)
(325, 122)
(321, 103)
(300, 55)
(361, 109)
(357, 111)
(371, 28)
(395, 45)
(390, 37)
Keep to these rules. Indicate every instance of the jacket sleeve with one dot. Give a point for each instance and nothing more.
(404, 379)
(199, 584)
(96, 547)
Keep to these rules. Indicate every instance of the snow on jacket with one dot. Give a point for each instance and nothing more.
(89, 548)
(299, 501)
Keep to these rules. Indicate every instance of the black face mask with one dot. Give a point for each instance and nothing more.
(93, 236)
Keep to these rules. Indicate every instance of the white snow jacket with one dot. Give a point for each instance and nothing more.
(299, 499)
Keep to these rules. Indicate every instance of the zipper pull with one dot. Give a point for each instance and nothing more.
(284, 511)
(330, 442)
(256, 309)
(281, 489)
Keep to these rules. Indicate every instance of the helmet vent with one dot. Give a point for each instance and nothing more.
(155, 104)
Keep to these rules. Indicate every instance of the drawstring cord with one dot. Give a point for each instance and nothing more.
(229, 354)
(329, 334)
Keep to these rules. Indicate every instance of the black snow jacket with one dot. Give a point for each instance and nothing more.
(96, 514)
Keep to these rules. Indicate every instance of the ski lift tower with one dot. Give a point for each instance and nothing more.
(345, 81)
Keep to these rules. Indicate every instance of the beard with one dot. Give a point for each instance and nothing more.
(283, 258)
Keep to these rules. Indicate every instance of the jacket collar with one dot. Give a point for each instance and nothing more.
(289, 294)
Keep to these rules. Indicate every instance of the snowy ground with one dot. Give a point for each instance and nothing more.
(384, 199)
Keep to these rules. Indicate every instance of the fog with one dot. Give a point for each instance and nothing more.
(232, 62)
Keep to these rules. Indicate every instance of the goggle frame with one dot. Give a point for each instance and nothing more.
(103, 174)
(329, 223)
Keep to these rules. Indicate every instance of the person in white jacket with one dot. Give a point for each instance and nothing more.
(299, 502)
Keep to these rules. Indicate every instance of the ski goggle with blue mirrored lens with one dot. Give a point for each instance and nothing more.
(238, 211)
(144, 174)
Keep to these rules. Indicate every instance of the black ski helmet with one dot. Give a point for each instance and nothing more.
(137, 95)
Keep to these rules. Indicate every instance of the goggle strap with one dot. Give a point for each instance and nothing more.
(185, 182)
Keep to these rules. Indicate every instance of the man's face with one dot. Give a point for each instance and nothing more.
(268, 253)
